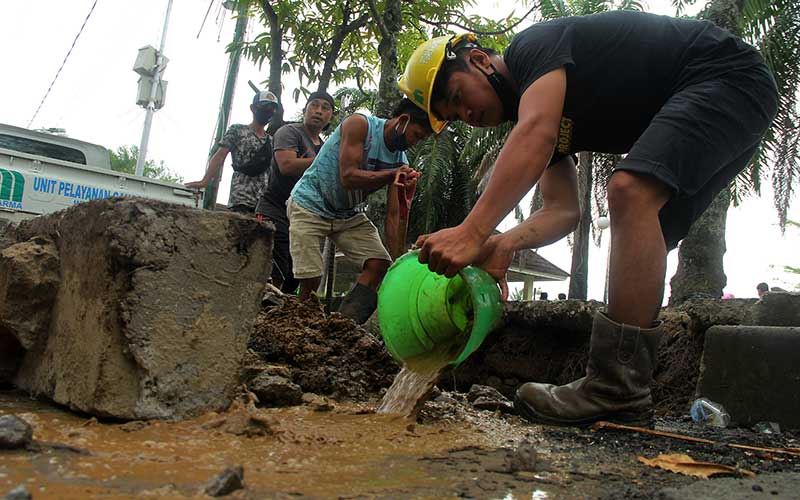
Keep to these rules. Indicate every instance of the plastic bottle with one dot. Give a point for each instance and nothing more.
(710, 413)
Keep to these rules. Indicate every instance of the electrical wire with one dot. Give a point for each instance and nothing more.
(62, 63)
(211, 4)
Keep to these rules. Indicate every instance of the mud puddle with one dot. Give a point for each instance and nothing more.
(348, 452)
(453, 451)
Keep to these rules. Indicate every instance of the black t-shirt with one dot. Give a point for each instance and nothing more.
(621, 68)
(290, 137)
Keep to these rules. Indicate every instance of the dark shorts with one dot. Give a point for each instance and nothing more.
(701, 139)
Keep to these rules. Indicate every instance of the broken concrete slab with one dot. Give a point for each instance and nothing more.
(29, 278)
(153, 311)
(776, 309)
(753, 372)
(777, 485)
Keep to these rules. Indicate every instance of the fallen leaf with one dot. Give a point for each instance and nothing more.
(684, 464)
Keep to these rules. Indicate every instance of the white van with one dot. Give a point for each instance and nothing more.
(41, 173)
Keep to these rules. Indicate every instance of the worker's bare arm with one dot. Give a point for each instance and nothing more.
(351, 151)
(559, 214)
(289, 164)
(519, 166)
(525, 155)
(214, 166)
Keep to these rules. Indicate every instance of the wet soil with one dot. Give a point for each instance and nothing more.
(452, 451)
(326, 355)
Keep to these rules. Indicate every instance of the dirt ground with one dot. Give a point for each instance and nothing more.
(335, 446)
(453, 451)
(325, 355)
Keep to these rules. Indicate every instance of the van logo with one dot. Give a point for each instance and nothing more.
(12, 185)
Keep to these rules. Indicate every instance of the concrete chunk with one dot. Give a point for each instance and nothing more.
(153, 311)
(776, 309)
(29, 278)
(754, 372)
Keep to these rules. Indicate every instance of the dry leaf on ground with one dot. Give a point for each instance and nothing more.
(684, 464)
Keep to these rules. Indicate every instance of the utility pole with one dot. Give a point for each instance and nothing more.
(210, 197)
(148, 120)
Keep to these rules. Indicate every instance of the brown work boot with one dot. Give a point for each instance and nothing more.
(359, 303)
(616, 386)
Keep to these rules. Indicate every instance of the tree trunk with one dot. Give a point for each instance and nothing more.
(700, 257)
(336, 46)
(388, 91)
(579, 272)
(275, 63)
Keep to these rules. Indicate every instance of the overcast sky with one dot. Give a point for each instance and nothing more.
(94, 100)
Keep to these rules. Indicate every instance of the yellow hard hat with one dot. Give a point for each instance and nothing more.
(422, 68)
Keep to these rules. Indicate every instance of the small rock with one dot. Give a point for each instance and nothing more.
(230, 480)
(483, 403)
(278, 370)
(445, 399)
(524, 459)
(273, 390)
(133, 426)
(272, 297)
(485, 391)
(484, 397)
(14, 432)
(757, 487)
(18, 493)
(317, 403)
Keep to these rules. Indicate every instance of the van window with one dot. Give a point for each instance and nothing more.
(34, 147)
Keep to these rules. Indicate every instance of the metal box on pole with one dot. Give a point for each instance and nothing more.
(145, 89)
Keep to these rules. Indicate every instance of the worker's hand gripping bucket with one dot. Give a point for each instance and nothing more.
(419, 310)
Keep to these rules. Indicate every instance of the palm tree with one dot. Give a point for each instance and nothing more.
(773, 27)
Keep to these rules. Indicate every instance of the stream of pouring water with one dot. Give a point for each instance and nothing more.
(413, 385)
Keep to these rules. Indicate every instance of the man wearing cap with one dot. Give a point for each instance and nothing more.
(294, 147)
(252, 151)
(365, 153)
(687, 102)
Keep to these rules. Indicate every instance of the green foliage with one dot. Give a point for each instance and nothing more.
(124, 160)
(774, 27)
(517, 295)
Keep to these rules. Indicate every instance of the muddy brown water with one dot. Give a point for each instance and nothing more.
(343, 453)
(452, 451)
(413, 385)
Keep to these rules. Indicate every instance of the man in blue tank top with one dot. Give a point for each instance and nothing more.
(364, 154)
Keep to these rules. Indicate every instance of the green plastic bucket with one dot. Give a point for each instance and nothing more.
(419, 310)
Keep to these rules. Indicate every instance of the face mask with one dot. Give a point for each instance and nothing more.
(263, 116)
(505, 92)
(399, 142)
